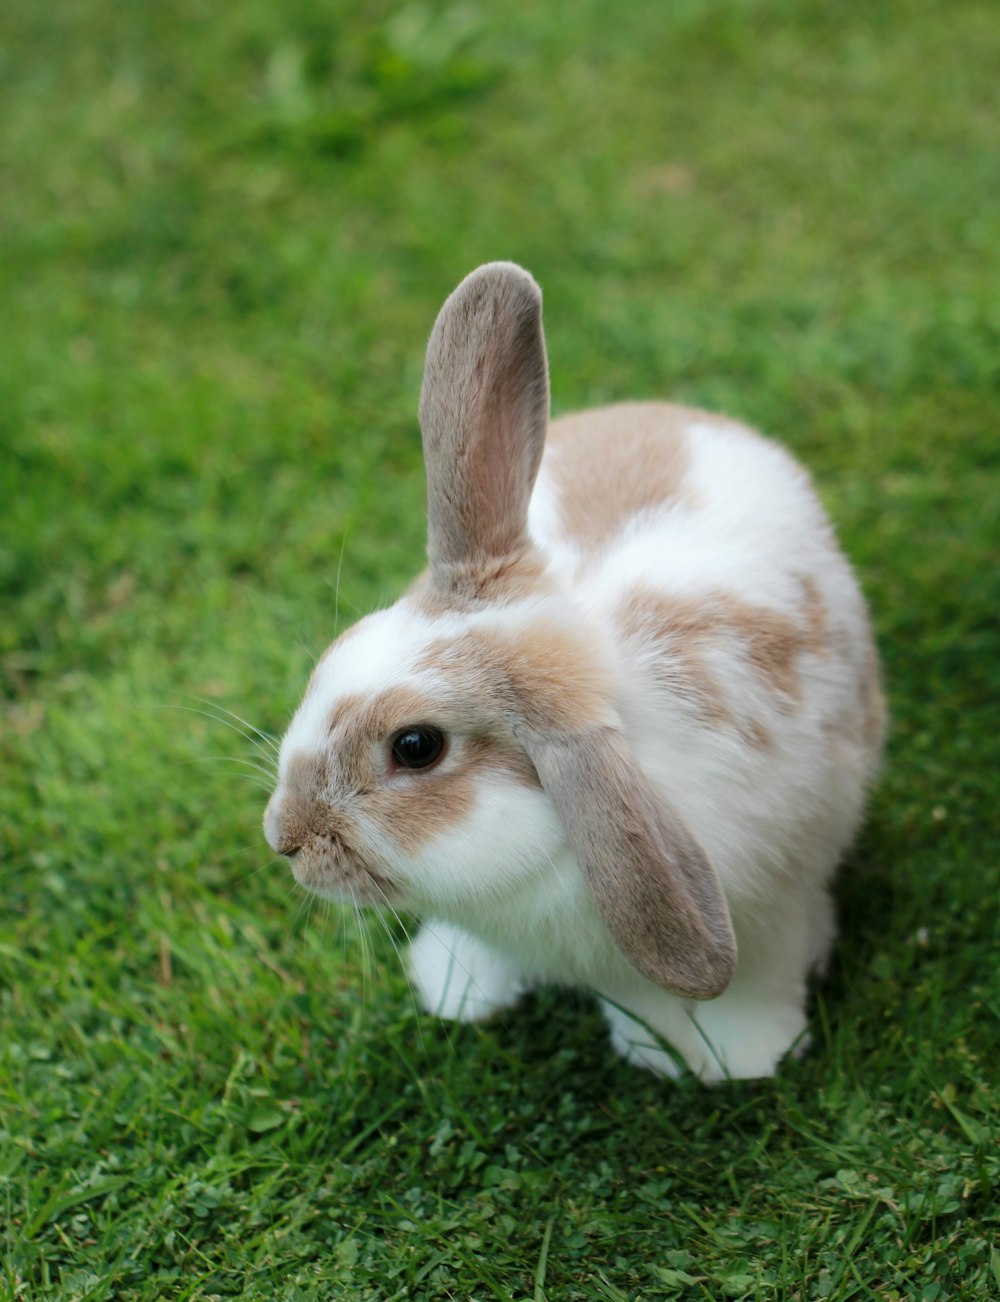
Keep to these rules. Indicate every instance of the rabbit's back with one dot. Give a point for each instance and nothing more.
(659, 515)
(748, 677)
(691, 496)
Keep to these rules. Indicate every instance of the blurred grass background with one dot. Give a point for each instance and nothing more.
(224, 233)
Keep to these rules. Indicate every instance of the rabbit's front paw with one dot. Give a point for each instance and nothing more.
(457, 977)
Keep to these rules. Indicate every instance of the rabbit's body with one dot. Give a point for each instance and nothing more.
(661, 708)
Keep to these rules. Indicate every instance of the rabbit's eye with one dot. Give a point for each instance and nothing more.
(418, 747)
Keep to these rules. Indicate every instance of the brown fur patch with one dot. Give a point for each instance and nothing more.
(359, 722)
(611, 463)
(815, 616)
(839, 640)
(329, 798)
(503, 753)
(874, 713)
(677, 630)
(304, 784)
(683, 629)
(326, 841)
(414, 807)
(540, 677)
(755, 734)
(496, 581)
(772, 642)
(863, 727)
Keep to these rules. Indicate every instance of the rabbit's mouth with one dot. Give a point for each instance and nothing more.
(330, 868)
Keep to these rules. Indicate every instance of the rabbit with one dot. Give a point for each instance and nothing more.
(619, 732)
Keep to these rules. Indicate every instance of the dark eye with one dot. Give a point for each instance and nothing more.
(418, 747)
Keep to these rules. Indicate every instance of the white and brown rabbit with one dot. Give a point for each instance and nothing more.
(618, 734)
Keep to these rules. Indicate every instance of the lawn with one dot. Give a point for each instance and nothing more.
(225, 231)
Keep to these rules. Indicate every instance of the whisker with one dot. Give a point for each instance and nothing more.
(366, 956)
(235, 759)
(227, 723)
(336, 592)
(326, 913)
(418, 1011)
(344, 942)
(392, 908)
(259, 784)
(268, 738)
(256, 871)
(385, 925)
(307, 651)
(304, 906)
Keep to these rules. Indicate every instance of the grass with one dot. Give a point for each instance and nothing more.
(224, 233)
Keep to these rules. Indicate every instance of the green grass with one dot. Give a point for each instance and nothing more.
(224, 233)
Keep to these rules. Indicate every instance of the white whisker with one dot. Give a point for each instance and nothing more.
(267, 739)
(336, 591)
(237, 759)
(418, 1011)
(365, 942)
(256, 871)
(266, 748)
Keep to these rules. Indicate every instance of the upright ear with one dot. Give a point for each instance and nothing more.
(483, 413)
(652, 883)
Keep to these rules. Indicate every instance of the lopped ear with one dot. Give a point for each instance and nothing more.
(484, 410)
(652, 883)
